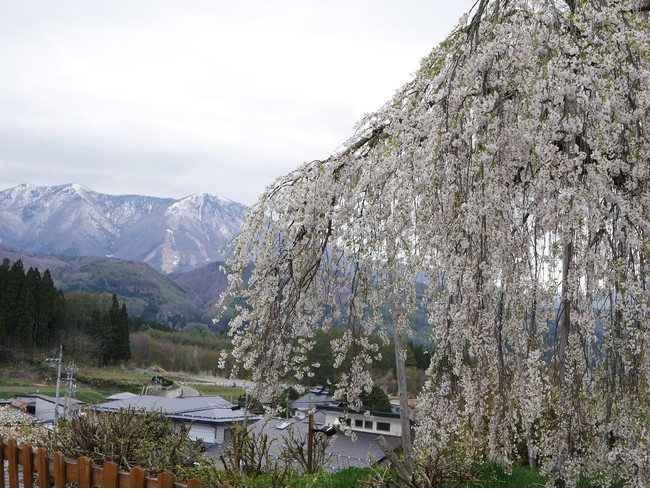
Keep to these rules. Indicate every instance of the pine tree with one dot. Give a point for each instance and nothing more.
(15, 282)
(27, 308)
(116, 341)
(123, 351)
(47, 310)
(376, 400)
(4, 305)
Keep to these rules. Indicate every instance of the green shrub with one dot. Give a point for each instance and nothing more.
(130, 437)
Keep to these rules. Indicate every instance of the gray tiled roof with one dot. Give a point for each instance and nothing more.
(343, 451)
(169, 405)
(52, 399)
(210, 409)
(317, 395)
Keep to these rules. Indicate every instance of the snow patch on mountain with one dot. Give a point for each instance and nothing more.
(171, 235)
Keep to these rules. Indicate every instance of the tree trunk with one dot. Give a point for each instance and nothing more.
(400, 363)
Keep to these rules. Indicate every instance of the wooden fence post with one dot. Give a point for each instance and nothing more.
(41, 467)
(194, 482)
(402, 472)
(59, 470)
(136, 477)
(28, 465)
(165, 479)
(12, 457)
(110, 474)
(83, 472)
(2, 462)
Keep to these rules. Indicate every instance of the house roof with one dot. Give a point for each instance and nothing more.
(344, 451)
(168, 405)
(211, 409)
(317, 395)
(10, 414)
(52, 399)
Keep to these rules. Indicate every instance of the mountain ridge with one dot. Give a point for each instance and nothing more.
(177, 298)
(171, 235)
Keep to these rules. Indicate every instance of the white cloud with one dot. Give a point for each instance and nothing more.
(179, 97)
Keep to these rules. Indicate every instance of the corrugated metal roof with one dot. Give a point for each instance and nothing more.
(344, 451)
(212, 409)
(168, 405)
(311, 399)
(52, 399)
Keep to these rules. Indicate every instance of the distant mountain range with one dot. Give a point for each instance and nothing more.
(170, 235)
(177, 298)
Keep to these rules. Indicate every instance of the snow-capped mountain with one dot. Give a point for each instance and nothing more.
(170, 235)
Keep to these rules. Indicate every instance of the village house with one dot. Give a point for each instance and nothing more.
(209, 418)
(360, 450)
(43, 407)
(319, 395)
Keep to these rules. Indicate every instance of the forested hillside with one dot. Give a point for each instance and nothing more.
(82, 304)
(35, 315)
(178, 299)
(32, 310)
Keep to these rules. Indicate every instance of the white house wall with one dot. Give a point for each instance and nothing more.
(205, 432)
(209, 433)
(332, 418)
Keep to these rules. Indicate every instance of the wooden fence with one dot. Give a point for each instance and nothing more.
(43, 469)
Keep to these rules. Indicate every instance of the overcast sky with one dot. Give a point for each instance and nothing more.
(172, 98)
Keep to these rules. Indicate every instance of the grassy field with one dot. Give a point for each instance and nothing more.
(86, 395)
(219, 390)
(95, 384)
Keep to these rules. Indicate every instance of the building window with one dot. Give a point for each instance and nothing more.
(383, 426)
(368, 425)
(358, 423)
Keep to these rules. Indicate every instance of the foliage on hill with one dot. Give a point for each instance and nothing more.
(97, 327)
(146, 292)
(31, 308)
(150, 348)
(35, 314)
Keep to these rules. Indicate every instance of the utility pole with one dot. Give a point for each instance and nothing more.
(328, 431)
(70, 370)
(56, 362)
(310, 443)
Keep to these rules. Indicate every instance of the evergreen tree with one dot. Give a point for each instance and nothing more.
(27, 315)
(48, 300)
(4, 275)
(376, 400)
(15, 282)
(121, 335)
(116, 336)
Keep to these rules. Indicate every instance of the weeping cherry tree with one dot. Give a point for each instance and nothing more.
(511, 177)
